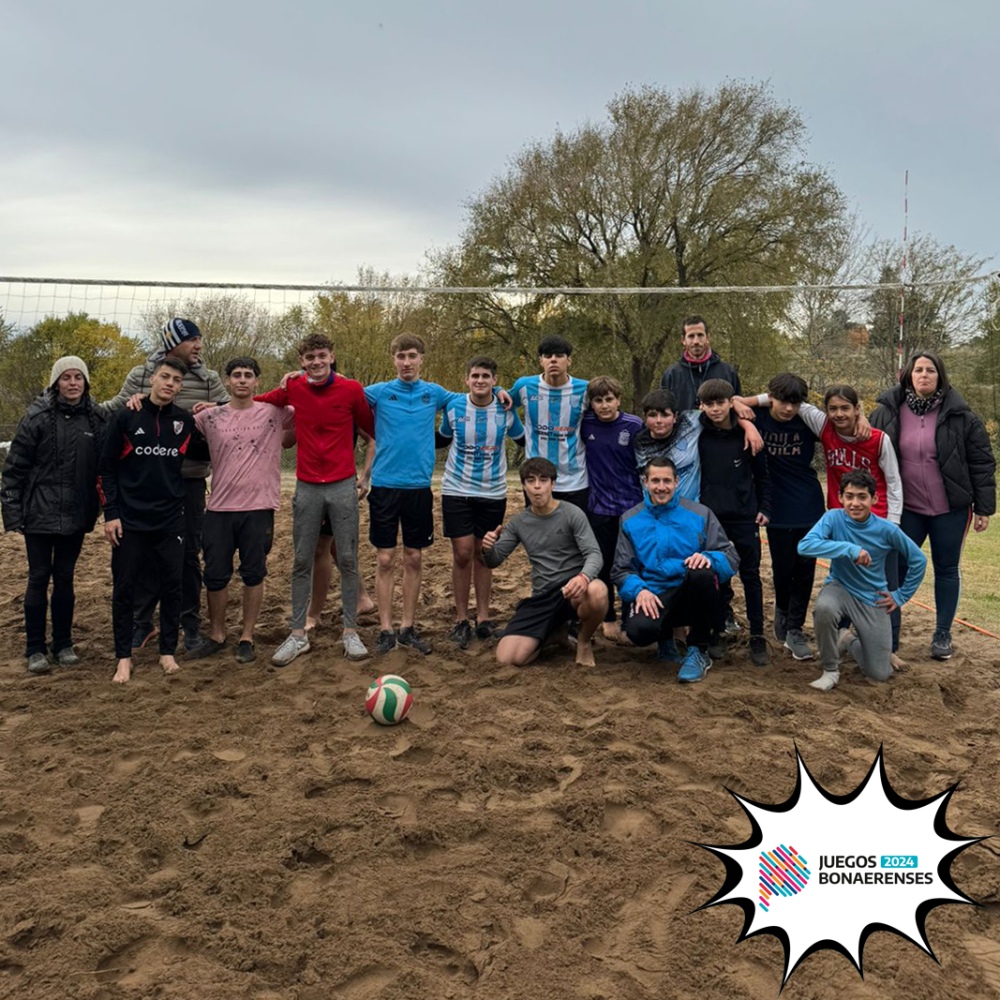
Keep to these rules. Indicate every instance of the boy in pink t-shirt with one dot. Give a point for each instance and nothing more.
(245, 439)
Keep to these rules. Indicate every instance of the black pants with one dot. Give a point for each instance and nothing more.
(139, 557)
(792, 574)
(745, 537)
(50, 557)
(147, 588)
(605, 528)
(696, 603)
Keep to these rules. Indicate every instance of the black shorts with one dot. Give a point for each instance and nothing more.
(471, 515)
(539, 616)
(226, 532)
(389, 507)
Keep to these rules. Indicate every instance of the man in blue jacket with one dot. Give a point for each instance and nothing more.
(672, 555)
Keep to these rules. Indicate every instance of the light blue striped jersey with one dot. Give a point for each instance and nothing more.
(477, 459)
(552, 419)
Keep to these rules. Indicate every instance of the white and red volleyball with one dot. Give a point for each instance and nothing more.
(389, 699)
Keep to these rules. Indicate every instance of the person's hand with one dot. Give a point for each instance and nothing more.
(863, 558)
(491, 537)
(134, 401)
(576, 587)
(649, 604)
(762, 519)
(504, 399)
(743, 410)
(886, 602)
(364, 486)
(864, 429)
(202, 404)
(752, 439)
(113, 531)
(283, 384)
(980, 522)
(698, 561)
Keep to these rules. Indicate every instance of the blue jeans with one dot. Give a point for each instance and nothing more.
(947, 536)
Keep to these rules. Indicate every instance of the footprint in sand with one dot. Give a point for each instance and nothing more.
(625, 823)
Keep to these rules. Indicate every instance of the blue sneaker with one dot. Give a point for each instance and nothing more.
(694, 666)
(667, 650)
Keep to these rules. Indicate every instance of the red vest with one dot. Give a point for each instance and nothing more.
(846, 456)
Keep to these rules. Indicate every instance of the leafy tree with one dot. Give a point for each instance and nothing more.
(671, 190)
(941, 310)
(27, 358)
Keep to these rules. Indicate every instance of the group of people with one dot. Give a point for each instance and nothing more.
(657, 515)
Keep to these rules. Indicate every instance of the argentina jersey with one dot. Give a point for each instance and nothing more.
(552, 418)
(477, 459)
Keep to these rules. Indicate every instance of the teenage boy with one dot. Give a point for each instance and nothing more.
(142, 492)
(609, 435)
(181, 341)
(328, 407)
(554, 404)
(672, 433)
(405, 413)
(857, 542)
(565, 561)
(796, 505)
(697, 364)
(245, 440)
(672, 556)
(474, 490)
(737, 489)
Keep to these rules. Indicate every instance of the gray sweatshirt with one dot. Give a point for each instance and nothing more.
(559, 546)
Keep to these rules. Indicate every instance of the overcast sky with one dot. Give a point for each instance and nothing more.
(295, 141)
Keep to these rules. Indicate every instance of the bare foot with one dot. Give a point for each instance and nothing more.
(365, 606)
(899, 665)
(169, 665)
(124, 672)
(585, 653)
(611, 631)
(311, 623)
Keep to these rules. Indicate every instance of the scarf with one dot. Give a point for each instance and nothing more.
(922, 405)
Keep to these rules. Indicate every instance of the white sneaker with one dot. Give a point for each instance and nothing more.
(827, 681)
(289, 649)
(354, 648)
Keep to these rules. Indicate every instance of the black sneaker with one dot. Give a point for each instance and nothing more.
(206, 647)
(487, 630)
(717, 647)
(461, 634)
(245, 651)
(410, 637)
(758, 651)
(141, 634)
(941, 647)
(386, 642)
(193, 640)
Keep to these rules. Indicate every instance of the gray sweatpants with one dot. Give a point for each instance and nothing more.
(339, 501)
(873, 646)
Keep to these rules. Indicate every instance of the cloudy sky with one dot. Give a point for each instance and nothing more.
(295, 141)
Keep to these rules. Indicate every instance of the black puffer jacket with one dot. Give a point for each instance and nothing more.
(49, 481)
(964, 453)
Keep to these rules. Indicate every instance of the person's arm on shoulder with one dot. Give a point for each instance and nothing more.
(515, 429)
(893, 480)
(135, 384)
(363, 418)
(444, 434)
(813, 417)
(276, 397)
(217, 392)
(752, 441)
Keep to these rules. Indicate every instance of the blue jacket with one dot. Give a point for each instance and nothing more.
(655, 540)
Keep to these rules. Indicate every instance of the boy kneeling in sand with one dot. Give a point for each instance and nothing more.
(857, 543)
(565, 562)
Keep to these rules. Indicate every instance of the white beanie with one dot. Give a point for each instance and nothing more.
(65, 364)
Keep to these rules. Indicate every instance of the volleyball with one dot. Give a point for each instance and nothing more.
(389, 699)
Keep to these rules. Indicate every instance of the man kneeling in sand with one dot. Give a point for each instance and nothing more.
(565, 562)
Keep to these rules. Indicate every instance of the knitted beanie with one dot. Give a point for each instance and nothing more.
(176, 331)
(67, 363)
